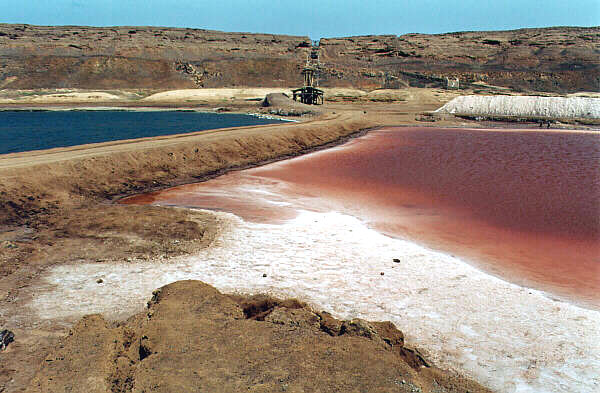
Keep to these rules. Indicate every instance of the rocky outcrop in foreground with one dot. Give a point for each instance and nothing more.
(557, 59)
(193, 338)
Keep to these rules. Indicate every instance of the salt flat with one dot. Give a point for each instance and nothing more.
(510, 338)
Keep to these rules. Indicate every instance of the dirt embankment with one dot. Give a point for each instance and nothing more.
(40, 190)
(557, 59)
(40, 181)
(193, 338)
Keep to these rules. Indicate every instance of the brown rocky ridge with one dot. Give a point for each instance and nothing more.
(557, 59)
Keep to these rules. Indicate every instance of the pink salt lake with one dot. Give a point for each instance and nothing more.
(523, 205)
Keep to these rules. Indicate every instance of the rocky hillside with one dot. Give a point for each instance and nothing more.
(558, 59)
(145, 57)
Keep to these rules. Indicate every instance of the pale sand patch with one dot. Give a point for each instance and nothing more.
(66, 97)
(215, 94)
(510, 338)
(340, 92)
(250, 93)
(77, 97)
(406, 94)
(390, 94)
(590, 94)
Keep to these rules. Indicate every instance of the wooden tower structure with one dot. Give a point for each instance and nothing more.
(309, 93)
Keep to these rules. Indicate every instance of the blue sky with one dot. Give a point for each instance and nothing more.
(324, 18)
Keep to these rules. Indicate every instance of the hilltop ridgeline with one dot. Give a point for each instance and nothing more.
(558, 59)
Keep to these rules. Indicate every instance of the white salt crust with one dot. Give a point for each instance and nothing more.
(550, 107)
(509, 338)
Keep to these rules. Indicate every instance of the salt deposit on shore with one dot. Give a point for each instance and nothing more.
(510, 338)
(215, 94)
(525, 106)
(255, 93)
(62, 97)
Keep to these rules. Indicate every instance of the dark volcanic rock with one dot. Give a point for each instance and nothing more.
(6, 337)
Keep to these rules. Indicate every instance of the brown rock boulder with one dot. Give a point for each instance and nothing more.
(193, 338)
